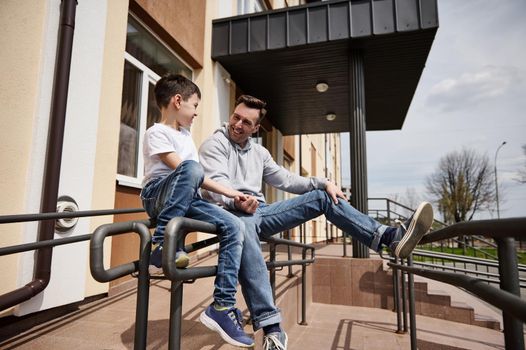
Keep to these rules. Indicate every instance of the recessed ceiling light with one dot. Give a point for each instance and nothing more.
(322, 86)
(330, 116)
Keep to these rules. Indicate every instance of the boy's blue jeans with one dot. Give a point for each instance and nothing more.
(177, 195)
(280, 216)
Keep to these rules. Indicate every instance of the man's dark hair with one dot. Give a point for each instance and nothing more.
(171, 85)
(253, 102)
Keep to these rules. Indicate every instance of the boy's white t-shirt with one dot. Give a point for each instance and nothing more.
(161, 138)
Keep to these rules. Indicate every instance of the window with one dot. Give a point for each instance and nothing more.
(250, 6)
(145, 60)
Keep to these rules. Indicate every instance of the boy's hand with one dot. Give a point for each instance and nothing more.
(234, 194)
(334, 191)
(247, 204)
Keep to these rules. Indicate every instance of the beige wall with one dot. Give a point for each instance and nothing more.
(23, 24)
(180, 23)
(108, 131)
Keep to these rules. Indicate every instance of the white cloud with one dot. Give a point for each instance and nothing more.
(474, 88)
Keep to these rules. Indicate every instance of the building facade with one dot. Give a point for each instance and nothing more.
(120, 49)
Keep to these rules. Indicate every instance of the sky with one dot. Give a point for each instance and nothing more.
(472, 94)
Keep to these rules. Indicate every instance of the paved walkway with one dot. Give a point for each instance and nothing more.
(109, 324)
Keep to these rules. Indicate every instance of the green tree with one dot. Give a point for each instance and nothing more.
(462, 185)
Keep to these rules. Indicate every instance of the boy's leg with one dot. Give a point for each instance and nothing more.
(167, 198)
(222, 316)
(172, 195)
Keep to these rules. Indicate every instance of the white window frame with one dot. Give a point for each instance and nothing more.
(147, 76)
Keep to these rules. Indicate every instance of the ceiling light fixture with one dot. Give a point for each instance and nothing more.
(322, 86)
(330, 116)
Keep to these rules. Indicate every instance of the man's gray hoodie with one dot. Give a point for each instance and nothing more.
(245, 169)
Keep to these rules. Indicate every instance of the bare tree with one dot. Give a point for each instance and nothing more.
(461, 185)
(411, 197)
(521, 175)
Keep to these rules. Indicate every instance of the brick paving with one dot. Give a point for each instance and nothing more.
(108, 323)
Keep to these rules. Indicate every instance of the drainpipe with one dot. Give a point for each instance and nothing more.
(55, 141)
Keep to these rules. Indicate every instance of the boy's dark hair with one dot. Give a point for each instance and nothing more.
(171, 85)
(253, 102)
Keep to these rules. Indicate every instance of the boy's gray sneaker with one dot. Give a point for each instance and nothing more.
(275, 341)
(156, 258)
(411, 232)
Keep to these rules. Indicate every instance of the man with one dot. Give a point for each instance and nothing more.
(231, 158)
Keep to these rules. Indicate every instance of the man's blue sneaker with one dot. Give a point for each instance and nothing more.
(228, 324)
(156, 260)
(411, 232)
(275, 341)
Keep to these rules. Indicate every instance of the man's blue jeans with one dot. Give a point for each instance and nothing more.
(177, 195)
(281, 216)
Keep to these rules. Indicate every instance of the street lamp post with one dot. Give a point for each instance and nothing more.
(496, 181)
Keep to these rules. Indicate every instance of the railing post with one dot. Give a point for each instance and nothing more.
(272, 272)
(388, 211)
(176, 311)
(396, 298)
(289, 255)
(404, 302)
(509, 281)
(412, 311)
(303, 289)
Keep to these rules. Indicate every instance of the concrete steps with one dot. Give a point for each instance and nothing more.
(368, 283)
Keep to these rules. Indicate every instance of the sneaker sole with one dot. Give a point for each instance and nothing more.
(213, 325)
(182, 262)
(421, 223)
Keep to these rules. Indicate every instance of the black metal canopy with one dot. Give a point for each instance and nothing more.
(280, 56)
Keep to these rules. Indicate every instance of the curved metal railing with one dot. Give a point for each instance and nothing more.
(507, 298)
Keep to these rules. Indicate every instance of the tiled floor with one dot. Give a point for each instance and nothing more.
(109, 324)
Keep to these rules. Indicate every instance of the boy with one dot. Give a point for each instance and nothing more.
(171, 184)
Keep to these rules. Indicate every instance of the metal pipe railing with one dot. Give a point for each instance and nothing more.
(100, 274)
(175, 233)
(28, 291)
(508, 297)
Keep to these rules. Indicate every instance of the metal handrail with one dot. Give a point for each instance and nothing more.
(502, 299)
(507, 298)
(100, 274)
(495, 228)
(461, 258)
(141, 266)
(28, 291)
(8, 219)
(176, 231)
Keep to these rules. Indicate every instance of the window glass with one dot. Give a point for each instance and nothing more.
(146, 59)
(148, 50)
(250, 6)
(129, 128)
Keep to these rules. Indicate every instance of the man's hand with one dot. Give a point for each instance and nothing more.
(247, 204)
(334, 191)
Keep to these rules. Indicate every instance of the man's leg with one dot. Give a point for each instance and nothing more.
(222, 316)
(287, 214)
(254, 279)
